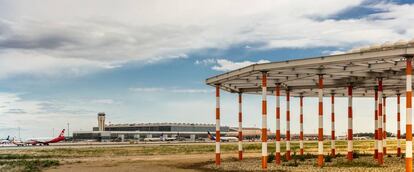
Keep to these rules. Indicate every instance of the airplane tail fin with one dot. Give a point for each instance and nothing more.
(62, 133)
(211, 137)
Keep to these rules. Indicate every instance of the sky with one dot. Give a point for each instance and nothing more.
(146, 61)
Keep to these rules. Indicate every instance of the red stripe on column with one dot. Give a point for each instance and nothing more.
(218, 159)
(380, 151)
(384, 127)
(288, 157)
(333, 125)
(240, 127)
(278, 156)
(398, 127)
(264, 123)
(350, 132)
(320, 129)
(408, 120)
(376, 123)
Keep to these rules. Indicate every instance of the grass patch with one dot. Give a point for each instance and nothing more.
(354, 164)
(22, 156)
(270, 158)
(328, 158)
(27, 165)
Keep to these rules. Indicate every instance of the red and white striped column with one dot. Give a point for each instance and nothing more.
(333, 125)
(288, 125)
(380, 148)
(408, 121)
(320, 122)
(384, 134)
(376, 124)
(264, 120)
(218, 160)
(277, 160)
(301, 125)
(398, 126)
(350, 132)
(240, 128)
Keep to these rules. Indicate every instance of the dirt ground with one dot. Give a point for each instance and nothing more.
(196, 157)
(179, 163)
(204, 162)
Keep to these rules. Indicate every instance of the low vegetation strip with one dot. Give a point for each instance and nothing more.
(364, 147)
(27, 165)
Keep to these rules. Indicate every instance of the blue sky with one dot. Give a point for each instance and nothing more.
(142, 61)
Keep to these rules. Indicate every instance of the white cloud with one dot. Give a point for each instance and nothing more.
(334, 52)
(38, 117)
(104, 101)
(205, 62)
(192, 90)
(227, 65)
(99, 35)
(32, 63)
(145, 89)
(171, 90)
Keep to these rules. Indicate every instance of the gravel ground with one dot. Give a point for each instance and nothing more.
(362, 164)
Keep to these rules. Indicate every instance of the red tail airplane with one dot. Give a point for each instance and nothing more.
(42, 141)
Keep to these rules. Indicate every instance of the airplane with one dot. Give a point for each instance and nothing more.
(41, 141)
(223, 139)
(5, 141)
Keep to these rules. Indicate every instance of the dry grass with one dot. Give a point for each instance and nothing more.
(69, 155)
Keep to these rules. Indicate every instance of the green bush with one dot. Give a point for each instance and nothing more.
(29, 165)
(355, 164)
(270, 158)
(328, 158)
(355, 154)
(283, 158)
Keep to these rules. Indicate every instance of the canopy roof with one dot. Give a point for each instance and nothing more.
(360, 68)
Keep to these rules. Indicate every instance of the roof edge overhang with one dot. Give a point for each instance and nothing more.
(407, 50)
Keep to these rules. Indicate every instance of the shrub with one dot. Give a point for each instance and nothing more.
(355, 164)
(328, 158)
(270, 158)
(283, 158)
(29, 165)
(355, 154)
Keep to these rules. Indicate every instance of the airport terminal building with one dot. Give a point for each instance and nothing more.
(140, 131)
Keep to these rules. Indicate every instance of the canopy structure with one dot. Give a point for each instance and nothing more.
(301, 76)
(378, 72)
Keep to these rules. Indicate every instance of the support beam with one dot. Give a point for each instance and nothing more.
(320, 122)
(376, 124)
(380, 148)
(398, 126)
(277, 161)
(240, 128)
(264, 120)
(333, 154)
(408, 119)
(218, 160)
(288, 157)
(301, 125)
(350, 132)
(384, 127)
